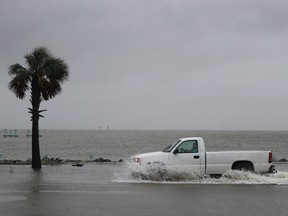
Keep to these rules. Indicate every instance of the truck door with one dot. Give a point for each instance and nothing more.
(187, 156)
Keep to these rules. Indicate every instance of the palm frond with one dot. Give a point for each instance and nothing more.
(20, 81)
(37, 58)
(19, 86)
(56, 70)
(16, 69)
(50, 89)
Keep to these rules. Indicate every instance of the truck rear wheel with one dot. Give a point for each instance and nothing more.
(216, 176)
(243, 166)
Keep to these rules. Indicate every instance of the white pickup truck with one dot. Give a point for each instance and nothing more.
(189, 153)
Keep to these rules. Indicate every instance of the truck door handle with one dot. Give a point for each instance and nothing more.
(196, 156)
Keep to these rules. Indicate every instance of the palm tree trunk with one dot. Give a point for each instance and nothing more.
(35, 101)
(36, 159)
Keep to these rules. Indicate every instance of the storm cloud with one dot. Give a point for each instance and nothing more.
(135, 64)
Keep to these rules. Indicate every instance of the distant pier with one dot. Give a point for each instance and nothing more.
(10, 134)
(108, 128)
(14, 133)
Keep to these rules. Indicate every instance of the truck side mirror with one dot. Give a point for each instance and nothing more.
(175, 151)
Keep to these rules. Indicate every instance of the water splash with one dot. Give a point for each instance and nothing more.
(157, 173)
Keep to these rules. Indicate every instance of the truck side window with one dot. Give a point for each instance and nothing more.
(190, 146)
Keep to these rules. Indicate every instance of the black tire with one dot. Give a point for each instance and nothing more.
(216, 176)
(243, 166)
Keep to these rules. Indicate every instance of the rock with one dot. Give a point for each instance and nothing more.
(58, 160)
(102, 160)
(78, 165)
(283, 160)
(45, 157)
(98, 159)
(16, 162)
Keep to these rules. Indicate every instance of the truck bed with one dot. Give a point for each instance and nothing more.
(219, 161)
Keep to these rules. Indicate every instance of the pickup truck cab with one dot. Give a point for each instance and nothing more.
(189, 153)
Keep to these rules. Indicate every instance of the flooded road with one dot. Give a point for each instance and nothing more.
(109, 190)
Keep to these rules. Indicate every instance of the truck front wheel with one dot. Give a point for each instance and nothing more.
(243, 166)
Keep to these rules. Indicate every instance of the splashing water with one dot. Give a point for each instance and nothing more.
(158, 173)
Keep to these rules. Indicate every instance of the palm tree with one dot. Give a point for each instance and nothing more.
(42, 76)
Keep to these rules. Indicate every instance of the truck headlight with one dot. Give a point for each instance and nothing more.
(137, 160)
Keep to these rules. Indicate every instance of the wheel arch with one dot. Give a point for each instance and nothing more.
(243, 164)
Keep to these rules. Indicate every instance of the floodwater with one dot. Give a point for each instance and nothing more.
(109, 189)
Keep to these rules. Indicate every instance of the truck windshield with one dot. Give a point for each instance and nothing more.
(170, 147)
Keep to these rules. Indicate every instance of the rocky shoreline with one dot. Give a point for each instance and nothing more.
(59, 161)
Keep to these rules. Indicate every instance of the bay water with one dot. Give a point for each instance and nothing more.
(121, 144)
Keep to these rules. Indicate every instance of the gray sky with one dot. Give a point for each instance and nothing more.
(153, 64)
